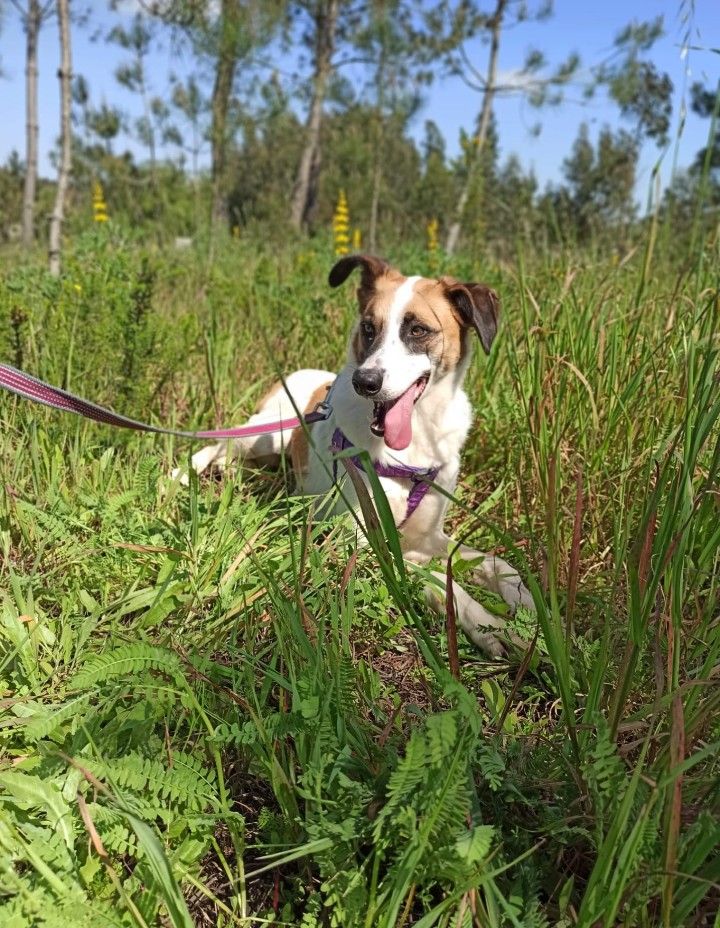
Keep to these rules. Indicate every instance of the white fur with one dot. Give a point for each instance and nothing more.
(441, 420)
(401, 367)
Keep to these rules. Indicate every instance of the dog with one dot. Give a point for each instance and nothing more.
(399, 397)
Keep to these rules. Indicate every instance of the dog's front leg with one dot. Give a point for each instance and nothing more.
(420, 546)
(473, 618)
(216, 454)
(489, 571)
(497, 575)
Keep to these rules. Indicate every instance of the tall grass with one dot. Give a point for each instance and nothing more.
(219, 710)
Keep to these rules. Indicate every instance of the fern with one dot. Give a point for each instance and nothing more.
(441, 736)
(114, 504)
(27, 791)
(46, 724)
(187, 782)
(346, 684)
(126, 660)
(475, 845)
(491, 764)
(604, 771)
(404, 781)
(145, 476)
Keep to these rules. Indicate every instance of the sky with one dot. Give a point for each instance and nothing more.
(587, 27)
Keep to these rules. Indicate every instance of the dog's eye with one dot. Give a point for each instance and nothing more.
(368, 330)
(419, 331)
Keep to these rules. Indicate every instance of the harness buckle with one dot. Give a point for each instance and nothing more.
(323, 409)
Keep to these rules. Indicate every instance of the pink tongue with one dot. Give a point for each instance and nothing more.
(398, 428)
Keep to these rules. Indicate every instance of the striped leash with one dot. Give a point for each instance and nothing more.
(30, 388)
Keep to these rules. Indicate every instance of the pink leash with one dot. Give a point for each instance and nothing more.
(30, 388)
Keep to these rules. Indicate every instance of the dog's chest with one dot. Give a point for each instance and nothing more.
(439, 432)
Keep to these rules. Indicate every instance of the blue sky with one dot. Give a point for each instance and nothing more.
(585, 26)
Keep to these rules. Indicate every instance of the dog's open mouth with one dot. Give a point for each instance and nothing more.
(393, 420)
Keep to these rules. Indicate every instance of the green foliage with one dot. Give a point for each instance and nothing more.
(212, 715)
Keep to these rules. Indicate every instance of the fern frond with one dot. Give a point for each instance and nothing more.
(404, 781)
(187, 782)
(125, 660)
(441, 736)
(44, 724)
(114, 504)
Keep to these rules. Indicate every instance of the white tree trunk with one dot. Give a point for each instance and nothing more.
(65, 76)
(481, 137)
(33, 20)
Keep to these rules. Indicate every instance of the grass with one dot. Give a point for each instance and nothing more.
(218, 711)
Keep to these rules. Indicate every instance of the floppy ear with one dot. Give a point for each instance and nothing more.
(478, 306)
(372, 267)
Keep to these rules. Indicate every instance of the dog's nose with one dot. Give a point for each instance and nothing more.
(367, 381)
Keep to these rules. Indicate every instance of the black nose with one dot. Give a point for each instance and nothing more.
(367, 381)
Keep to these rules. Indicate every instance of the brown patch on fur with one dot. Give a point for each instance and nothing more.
(374, 301)
(433, 304)
(430, 307)
(477, 305)
(298, 445)
(273, 391)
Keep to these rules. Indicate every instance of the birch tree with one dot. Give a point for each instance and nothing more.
(65, 78)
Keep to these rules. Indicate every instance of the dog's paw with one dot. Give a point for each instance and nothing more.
(490, 645)
(497, 575)
(181, 475)
(516, 594)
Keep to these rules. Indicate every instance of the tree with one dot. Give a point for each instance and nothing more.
(643, 94)
(537, 87)
(138, 39)
(32, 17)
(706, 103)
(324, 21)
(395, 52)
(65, 77)
(434, 195)
(225, 33)
(189, 102)
(601, 181)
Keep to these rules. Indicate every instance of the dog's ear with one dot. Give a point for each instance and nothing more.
(372, 268)
(477, 305)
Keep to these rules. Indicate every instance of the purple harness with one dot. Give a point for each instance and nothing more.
(421, 477)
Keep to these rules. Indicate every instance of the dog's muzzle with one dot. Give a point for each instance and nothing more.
(368, 381)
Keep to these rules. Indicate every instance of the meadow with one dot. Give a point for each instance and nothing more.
(220, 711)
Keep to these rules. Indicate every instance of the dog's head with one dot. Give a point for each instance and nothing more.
(412, 332)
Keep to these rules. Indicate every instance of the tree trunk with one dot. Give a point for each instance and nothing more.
(378, 152)
(65, 76)
(305, 188)
(485, 113)
(222, 90)
(33, 20)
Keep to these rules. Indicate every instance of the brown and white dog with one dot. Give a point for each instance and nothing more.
(399, 397)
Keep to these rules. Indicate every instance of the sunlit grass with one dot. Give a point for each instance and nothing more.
(275, 705)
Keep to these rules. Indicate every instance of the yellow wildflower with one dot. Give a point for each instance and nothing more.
(100, 213)
(341, 225)
(432, 243)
